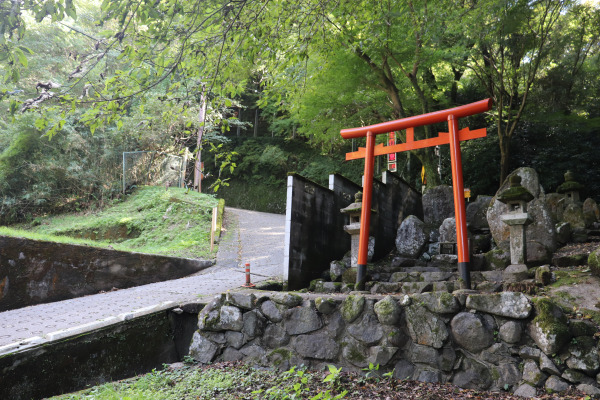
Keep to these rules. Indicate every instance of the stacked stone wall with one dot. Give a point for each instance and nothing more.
(498, 341)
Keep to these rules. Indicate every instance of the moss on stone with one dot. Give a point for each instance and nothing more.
(352, 307)
(279, 355)
(594, 262)
(551, 320)
(447, 300)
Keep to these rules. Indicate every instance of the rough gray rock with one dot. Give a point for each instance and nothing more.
(336, 270)
(253, 324)
(509, 375)
(411, 237)
(588, 389)
(302, 320)
(563, 232)
(287, 299)
(275, 336)
(352, 307)
(235, 339)
(505, 304)
(403, 369)
(230, 319)
(532, 373)
(423, 355)
(318, 345)
(549, 329)
(325, 305)
(474, 375)
(430, 376)
(271, 311)
(472, 331)
(425, 327)
(437, 302)
(448, 230)
(355, 352)
(573, 376)
(555, 385)
(525, 390)
(584, 356)
(232, 354)
(547, 366)
(573, 215)
(388, 311)
(438, 204)
(582, 327)
(202, 349)
(381, 355)
(241, 300)
(477, 213)
(366, 329)
(510, 332)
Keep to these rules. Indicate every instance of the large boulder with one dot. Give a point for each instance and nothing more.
(541, 234)
(477, 213)
(411, 237)
(438, 204)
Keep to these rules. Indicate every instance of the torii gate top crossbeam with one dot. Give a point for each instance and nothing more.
(419, 120)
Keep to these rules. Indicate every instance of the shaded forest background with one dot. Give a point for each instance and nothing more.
(269, 84)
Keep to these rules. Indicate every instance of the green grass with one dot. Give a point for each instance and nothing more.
(151, 220)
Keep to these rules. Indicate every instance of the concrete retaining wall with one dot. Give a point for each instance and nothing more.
(315, 227)
(34, 272)
(120, 350)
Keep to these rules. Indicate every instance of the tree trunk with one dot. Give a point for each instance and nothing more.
(504, 157)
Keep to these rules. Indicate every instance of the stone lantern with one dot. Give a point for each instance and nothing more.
(516, 198)
(570, 188)
(353, 228)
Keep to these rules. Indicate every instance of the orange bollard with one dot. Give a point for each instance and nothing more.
(248, 283)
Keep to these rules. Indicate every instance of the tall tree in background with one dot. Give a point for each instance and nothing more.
(512, 41)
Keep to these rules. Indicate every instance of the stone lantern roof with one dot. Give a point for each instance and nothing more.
(570, 184)
(354, 207)
(516, 192)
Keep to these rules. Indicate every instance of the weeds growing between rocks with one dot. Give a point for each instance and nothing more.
(229, 381)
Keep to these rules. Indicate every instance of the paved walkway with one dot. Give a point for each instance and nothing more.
(250, 236)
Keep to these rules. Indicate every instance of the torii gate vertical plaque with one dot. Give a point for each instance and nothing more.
(453, 137)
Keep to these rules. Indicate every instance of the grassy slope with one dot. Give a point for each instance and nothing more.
(171, 222)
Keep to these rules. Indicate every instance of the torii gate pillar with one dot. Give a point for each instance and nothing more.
(453, 137)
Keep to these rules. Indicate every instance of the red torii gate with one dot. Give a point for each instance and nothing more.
(453, 137)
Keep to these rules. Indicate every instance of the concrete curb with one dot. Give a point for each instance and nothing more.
(29, 343)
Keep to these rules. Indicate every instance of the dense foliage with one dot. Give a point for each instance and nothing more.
(121, 75)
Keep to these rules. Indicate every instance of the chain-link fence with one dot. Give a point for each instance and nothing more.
(153, 168)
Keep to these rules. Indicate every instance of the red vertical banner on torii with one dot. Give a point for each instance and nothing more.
(453, 137)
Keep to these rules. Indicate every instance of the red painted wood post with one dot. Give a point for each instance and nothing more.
(365, 214)
(460, 213)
